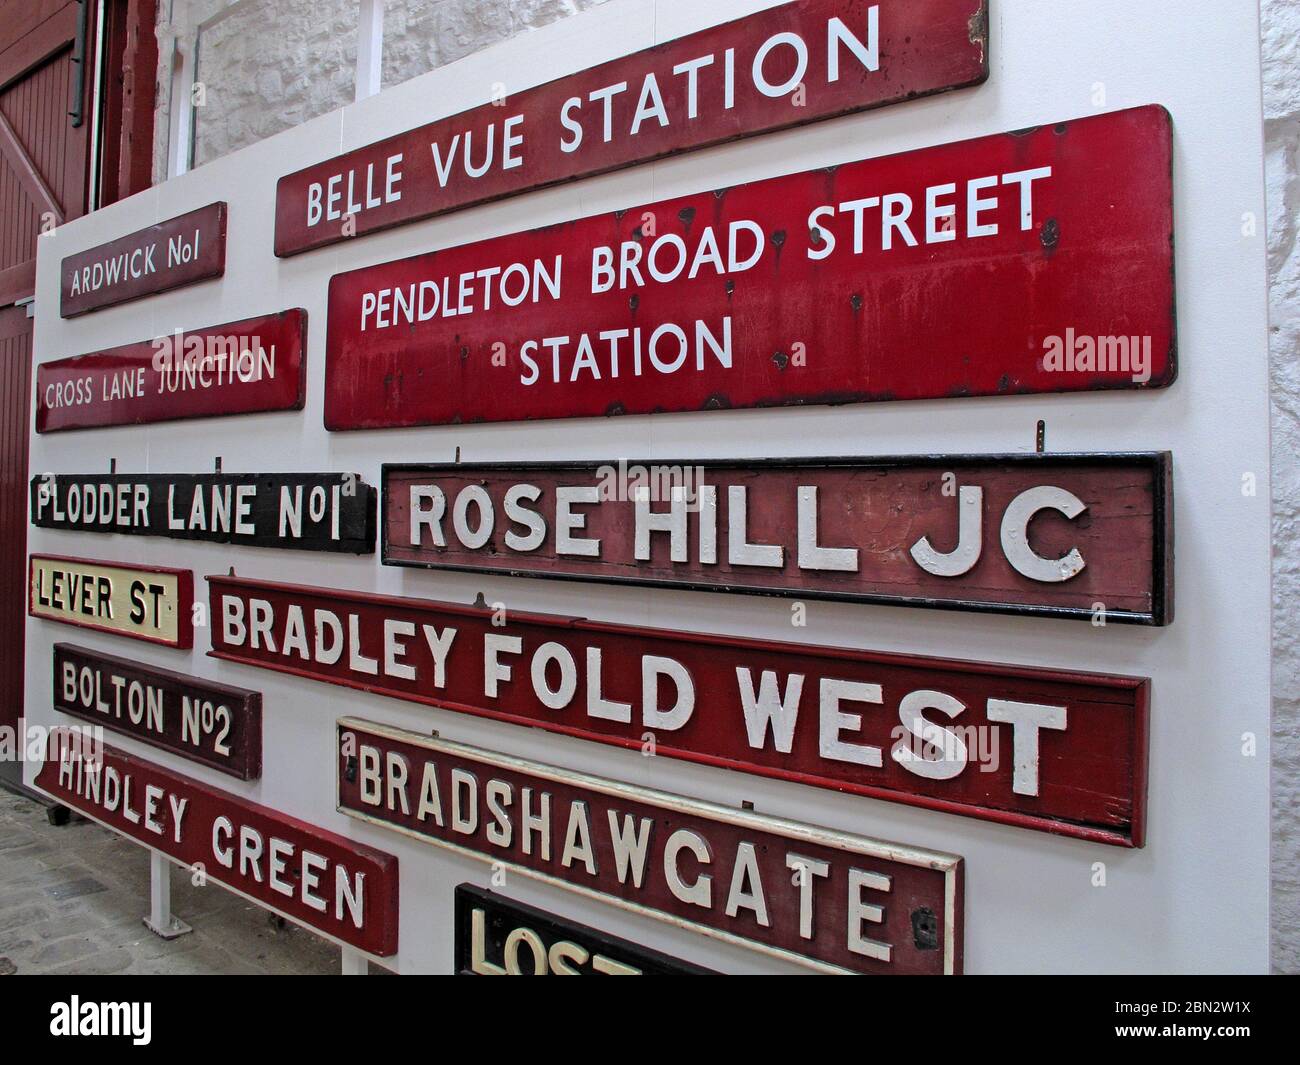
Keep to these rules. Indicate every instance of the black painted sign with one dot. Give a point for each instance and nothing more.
(497, 937)
(307, 511)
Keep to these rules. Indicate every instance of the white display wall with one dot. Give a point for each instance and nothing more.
(1194, 899)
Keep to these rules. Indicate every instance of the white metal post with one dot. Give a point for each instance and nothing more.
(161, 921)
(370, 47)
(354, 962)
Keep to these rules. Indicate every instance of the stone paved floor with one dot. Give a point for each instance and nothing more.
(72, 899)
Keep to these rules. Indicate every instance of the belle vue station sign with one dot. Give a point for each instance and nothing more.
(1046, 749)
(341, 888)
(150, 603)
(1063, 535)
(834, 901)
(245, 367)
(786, 66)
(216, 725)
(1028, 262)
(305, 511)
(171, 254)
(498, 937)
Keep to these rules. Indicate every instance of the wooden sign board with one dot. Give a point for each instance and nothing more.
(786, 66)
(849, 284)
(834, 901)
(151, 603)
(343, 889)
(498, 937)
(1052, 750)
(171, 254)
(245, 367)
(213, 724)
(303, 511)
(1063, 535)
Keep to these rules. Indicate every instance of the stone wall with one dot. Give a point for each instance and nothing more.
(272, 64)
(276, 63)
(1281, 54)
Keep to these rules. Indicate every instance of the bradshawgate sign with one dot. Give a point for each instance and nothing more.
(834, 901)
(786, 66)
(1034, 261)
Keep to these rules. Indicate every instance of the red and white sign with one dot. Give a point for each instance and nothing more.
(246, 367)
(835, 901)
(346, 890)
(786, 66)
(172, 254)
(1052, 750)
(1026, 262)
(1065, 535)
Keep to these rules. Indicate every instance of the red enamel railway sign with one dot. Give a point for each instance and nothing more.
(1047, 749)
(1065, 535)
(341, 888)
(216, 725)
(786, 66)
(174, 253)
(1027, 262)
(832, 900)
(246, 367)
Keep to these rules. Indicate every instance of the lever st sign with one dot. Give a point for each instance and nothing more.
(956, 270)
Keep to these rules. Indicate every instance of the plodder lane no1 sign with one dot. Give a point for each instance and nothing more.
(1027, 262)
(303, 511)
(835, 901)
(1045, 749)
(786, 66)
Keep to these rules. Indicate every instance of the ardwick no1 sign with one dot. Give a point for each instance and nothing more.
(346, 890)
(1046, 749)
(1026, 262)
(246, 367)
(834, 901)
(150, 603)
(305, 511)
(498, 937)
(786, 66)
(1067, 535)
(177, 252)
(213, 724)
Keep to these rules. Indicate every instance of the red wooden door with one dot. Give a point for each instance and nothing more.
(45, 122)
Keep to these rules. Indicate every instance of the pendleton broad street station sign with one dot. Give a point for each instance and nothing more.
(947, 271)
